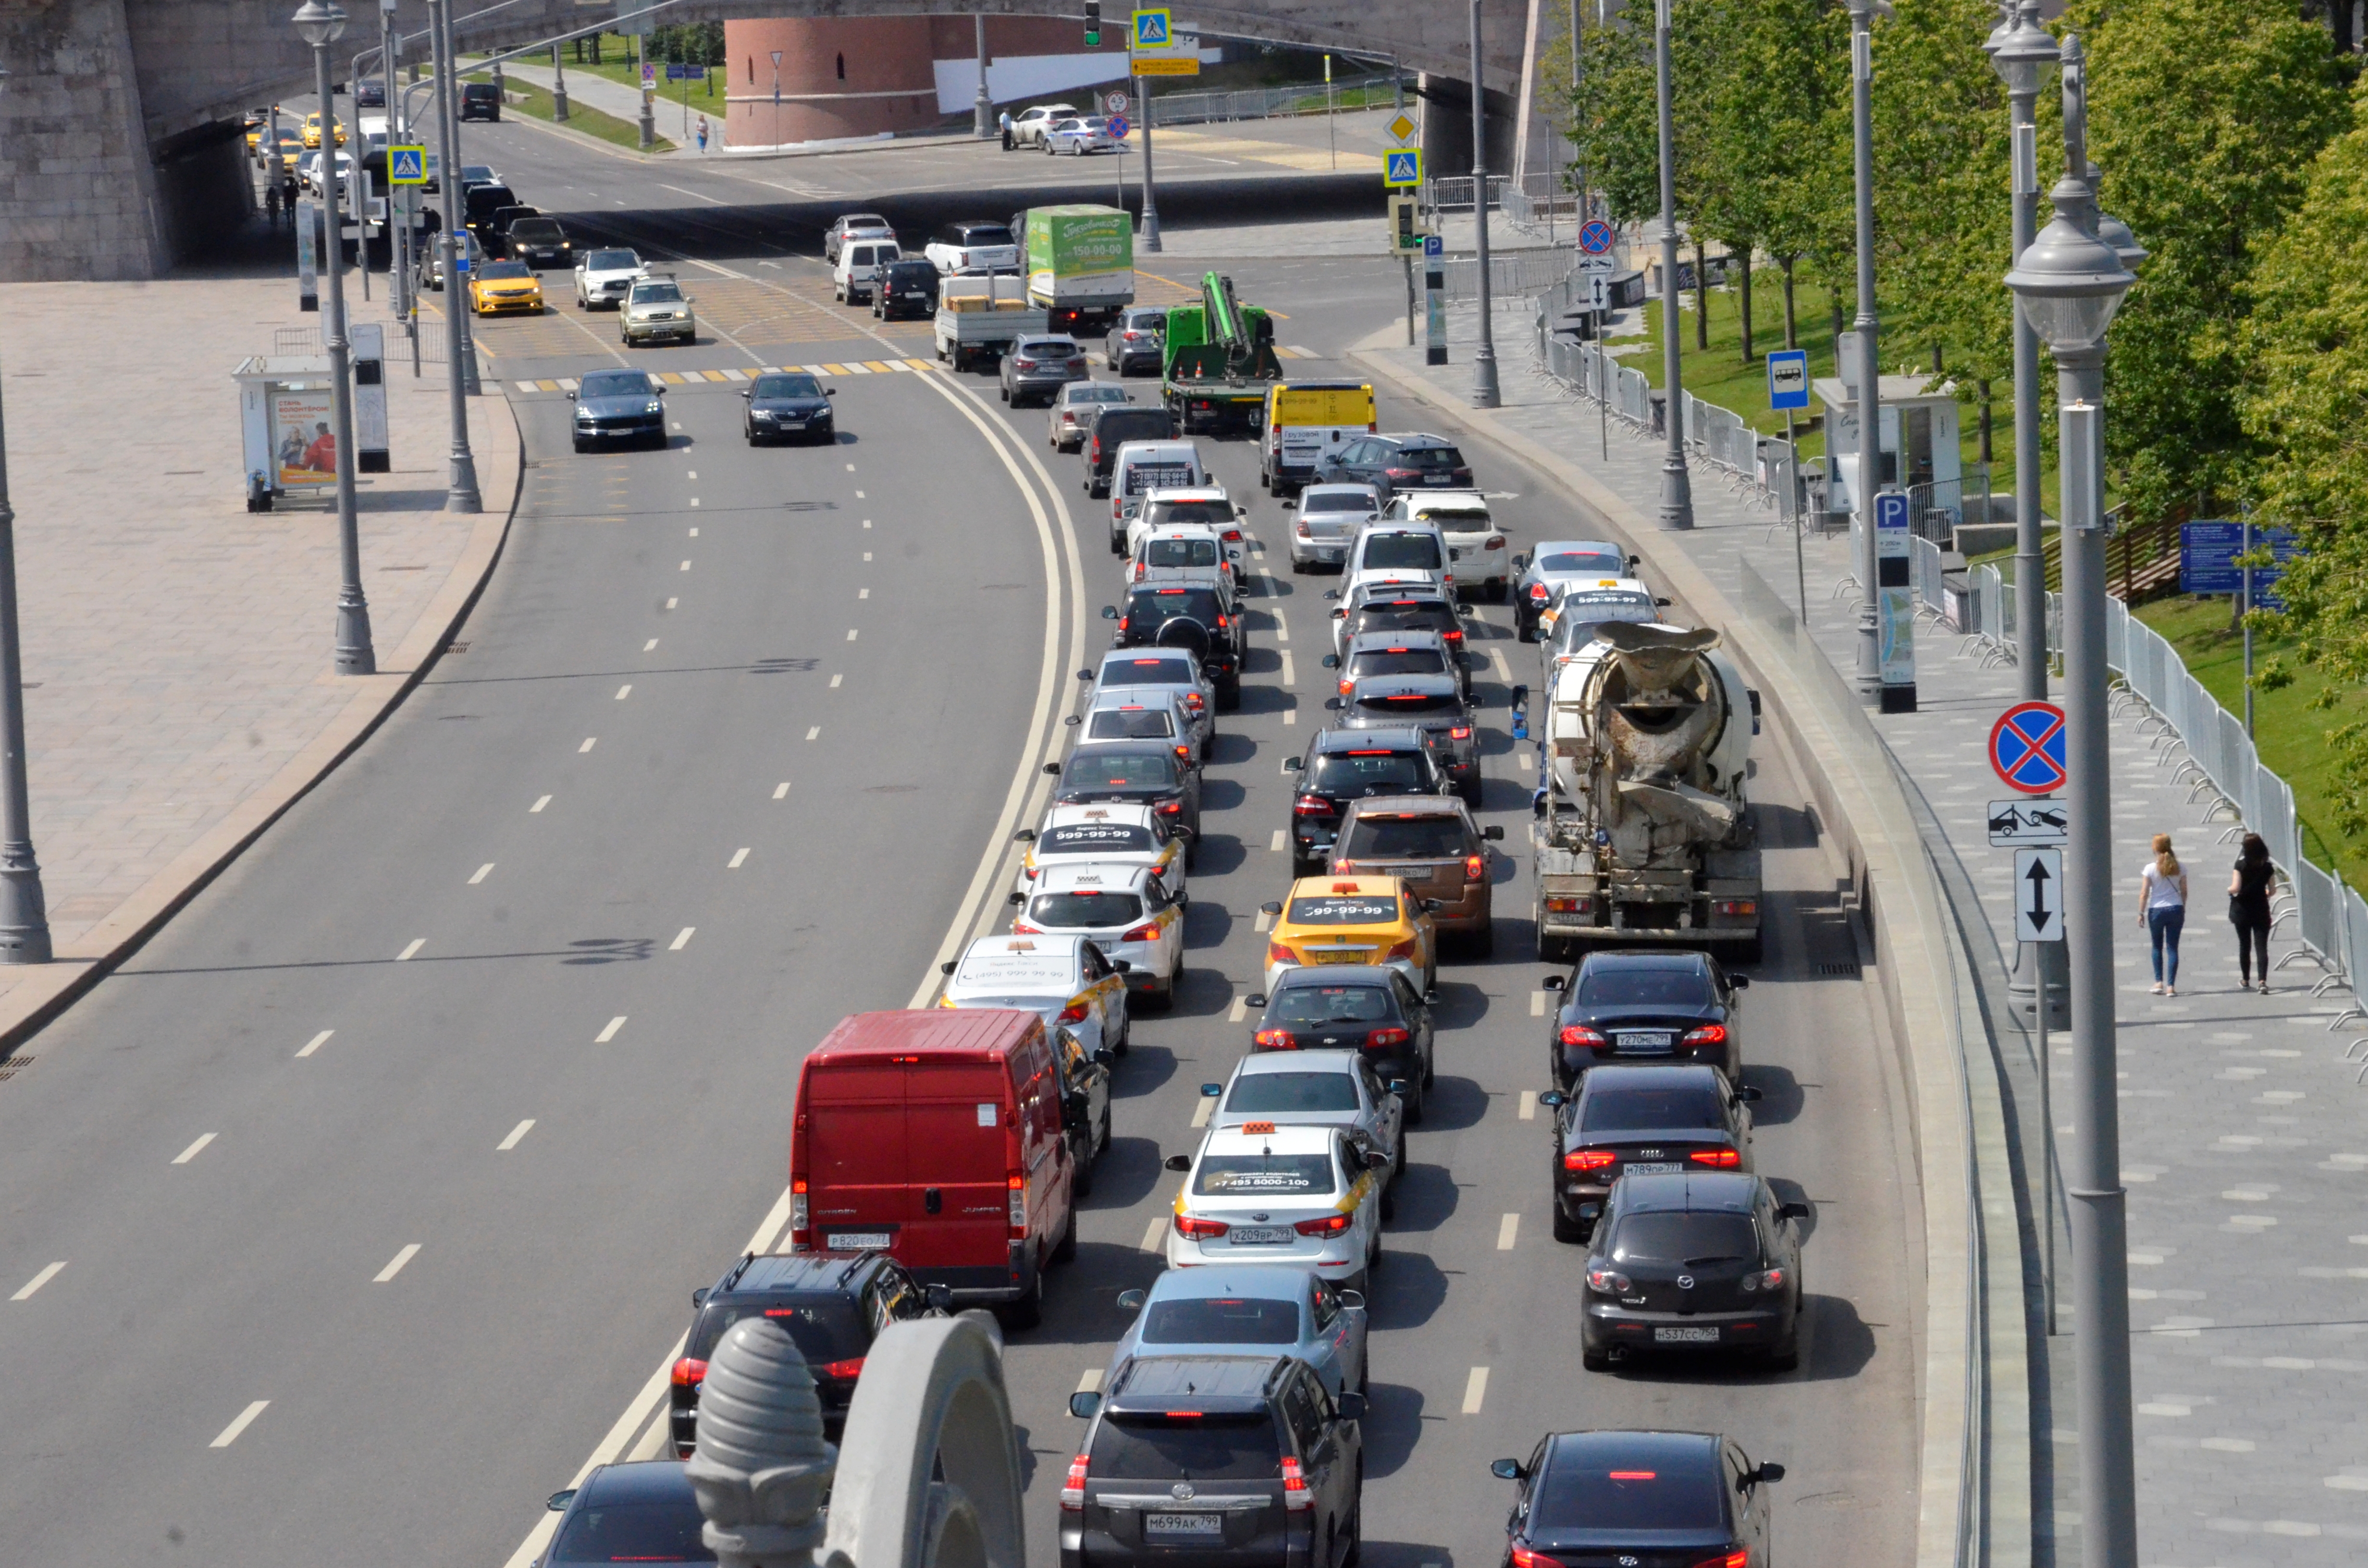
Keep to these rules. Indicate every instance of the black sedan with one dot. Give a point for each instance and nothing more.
(1370, 1008)
(1392, 463)
(1689, 1263)
(1135, 773)
(619, 405)
(1655, 1499)
(539, 241)
(789, 405)
(1627, 1006)
(643, 1512)
(1627, 1121)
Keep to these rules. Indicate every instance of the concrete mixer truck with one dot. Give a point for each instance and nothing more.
(1641, 832)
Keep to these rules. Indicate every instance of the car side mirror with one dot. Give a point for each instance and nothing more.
(559, 1500)
(1177, 1163)
(1791, 1211)
(1211, 1091)
(1084, 1406)
(1330, 661)
(1738, 983)
(1288, 503)
(1104, 1055)
(940, 1297)
(1521, 694)
(1770, 1472)
(1635, 560)
(570, 396)
(1025, 835)
(1053, 769)
(1747, 1095)
(1398, 1086)
(1125, 966)
(1016, 897)
(1272, 907)
(1132, 1301)
(699, 1297)
(1085, 675)
(1110, 612)
(1376, 1161)
(1431, 906)
(1352, 1406)
(1552, 983)
(1331, 593)
(1074, 719)
(1339, 614)
(830, 391)
(1241, 511)
(746, 395)
(1662, 603)
(1554, 1099)
(1508, 1470)
(1333, 704)
(1293, 764)
(1520, 562)
(1493, 833)
(1430, 998)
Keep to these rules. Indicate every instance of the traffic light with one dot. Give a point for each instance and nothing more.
(1093, 24)
(1405, 232)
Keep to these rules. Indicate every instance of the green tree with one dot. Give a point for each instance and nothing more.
(1614, 124)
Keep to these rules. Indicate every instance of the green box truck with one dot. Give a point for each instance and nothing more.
(1080, 263)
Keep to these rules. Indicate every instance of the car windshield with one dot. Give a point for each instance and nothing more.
(1404, 614)
(1604, 1498)
(1086, 907)
(1623, 987)
(1130, 724)
(1217, 513)
(1583, 562)
(1344, 909)
(1381, 773)
(498, 269)
(1411, 705)
(1402, 552)
(1289, 1092)
(1146, 320)
(1331, 1005)
(1709, 1237)
(1093, 392)
(1430, 456)
(1396, 662)
(1338, 501)
(986, 234)
(1150, 608)
(824, 1328)
(611, 261)
(1674, 1108)
(855, 221)
(786, 386)
(1601, 606)
(911, 272)
(1180, 553)
(1203, 1448)
(535, 231)
(1048, 348)
(1122, 770)
(1095, 838)
(655, 293)
(638, 1531)
(615, 383)
(1425, 838)
(1221, 1320)
(1171, 670)
(1248, 1175)
(1457, 519)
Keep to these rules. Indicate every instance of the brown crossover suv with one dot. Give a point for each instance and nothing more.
(1431, 843)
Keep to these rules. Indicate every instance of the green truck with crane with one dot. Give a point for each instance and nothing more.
(1218, 360)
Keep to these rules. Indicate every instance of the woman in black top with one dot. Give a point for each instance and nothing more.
(2248, 910)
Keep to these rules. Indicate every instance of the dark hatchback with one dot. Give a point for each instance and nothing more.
(481, 203)
(1392, 464)
(1349, 764)
(833, 1305)
(1369, 1008)
(539, 241)
(1432, 704)
(1198, 617)
(1137, 772)
(619, 405)
(1692, 1264)
(481, 100)
(789, 405)
(1637, 1120)
(644, 1512)
(906, 289)
(1628, 1007)
(1114, 426)
(1638, 1499)
(1214, 1462)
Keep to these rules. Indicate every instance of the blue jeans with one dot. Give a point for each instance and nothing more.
(2164, 923)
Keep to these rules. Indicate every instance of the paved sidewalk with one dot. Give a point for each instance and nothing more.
(2245, 1138)
(177, 647)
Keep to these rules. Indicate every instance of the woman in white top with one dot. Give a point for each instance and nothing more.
(2162, 910)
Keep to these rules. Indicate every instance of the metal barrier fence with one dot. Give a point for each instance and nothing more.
(1511, 273)
(1265, 103)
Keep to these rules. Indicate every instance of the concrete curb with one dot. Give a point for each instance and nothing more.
(1973, 1474)
(41, 995)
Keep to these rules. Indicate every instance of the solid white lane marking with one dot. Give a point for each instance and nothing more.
(1529, 1105)
(769, 1231)
(650, 646)
(1280, 839)
(482, 871)
(781, 791)
(37, 1281)
(416, 943)
(1475, 1389)
(541, 801)
(520, 1130)
(1537, 1002)
(1507, 1229)
(1155, 1235)
(316, 1042)
(681, 939)
(835, 681)
(604, 1036)
(738, 856)
(850, 633)
(246, 1419)
(1202, 1112)
(410, 1251)
(812, 733)
(1091, 1382)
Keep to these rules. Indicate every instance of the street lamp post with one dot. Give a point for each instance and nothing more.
(320, 26)
(1485, 393)
(1868, 675)
(24, 916)
(982, 109)
(2020, 51)
(1677, 486)
(2067, 284)
(459, 369)
(558, 87)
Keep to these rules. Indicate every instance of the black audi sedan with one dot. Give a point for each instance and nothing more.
(1654, 1499)
(1369, 1008)
(619, 405)
(785, 405)
(1136, 773)
(1695, 1263)
(1655, 1005)
(1637, 1121)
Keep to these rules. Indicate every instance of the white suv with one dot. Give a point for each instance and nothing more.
(1476, 548)
(1125, 911)
(606, 277)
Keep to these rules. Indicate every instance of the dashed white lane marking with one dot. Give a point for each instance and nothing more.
(1288, 678)
(605, 1035)
(1155, 1235)
(316, 1042)
(834, 681)
(1529, 1105)
(850, 633)
(1202, 1112)
(685, 566)
(37, 1281)
(1537, 1002)
(1475, 1389)
(781, 791)
(671, 603)
(858, 495)
(863, 593)
(867, 522)
(395, 1266)
(589, 742)
(1282, 629)
(815, 730)
(185, 1155)
(1496, 661)
(694, 501)
(1240, 1010)
(539, 802)
(624, 691)
(1507, 1229)
(416, 943)
(738, 856)
(482, 872)
(850, 468)
(520, 1130)
(650, 646)
(1091, 1382)
(1291, 712)
(867, 555)
(1278, 842)
(681, 939)
(246, 1419)
(1265, 922)
(691, 473)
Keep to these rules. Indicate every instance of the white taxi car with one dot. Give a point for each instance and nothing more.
(1477, 551)
(1064, 979)
(1110, 834)
(1125, 911)
(1268, 1193)
(1587, 592)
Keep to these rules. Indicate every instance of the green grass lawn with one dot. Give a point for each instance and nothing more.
(616, 65)
(527, 98)
(2288, 731)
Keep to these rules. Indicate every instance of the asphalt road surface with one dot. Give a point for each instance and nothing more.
(381, 1178)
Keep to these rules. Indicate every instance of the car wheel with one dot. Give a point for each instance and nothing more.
(1229, 695)
(1484, 941)
(1417, 1101)
(1595, 1360)
(1028, 1310)
(1784, 1357)
(583, 446)
(1084, 1160)
(1390, 1202)
(1004, 392)
(1101, 1143)
(1500, 591)
(1566, 1228)
(1067, 1251)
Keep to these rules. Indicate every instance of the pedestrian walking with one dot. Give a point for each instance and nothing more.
(702, 133)
(2248, 910)
(2162, 910)
(1005, 120)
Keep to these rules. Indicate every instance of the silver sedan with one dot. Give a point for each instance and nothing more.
(1077, 137)
(1074, 410)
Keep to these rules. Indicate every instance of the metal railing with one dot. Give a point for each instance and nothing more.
(1511, 273)
(1267, 103)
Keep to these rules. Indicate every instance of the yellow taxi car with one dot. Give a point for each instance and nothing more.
(498, 287)
(312, 130)
(1361, 919)
(256, 126)
(290, 148)
(1064, 979)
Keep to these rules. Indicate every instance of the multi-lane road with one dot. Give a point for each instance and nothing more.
(380, 1180)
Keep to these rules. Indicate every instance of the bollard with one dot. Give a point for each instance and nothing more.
(761, 1469)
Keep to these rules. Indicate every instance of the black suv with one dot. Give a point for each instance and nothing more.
(1348, 765)
(1193, 608)
(1694, 1263)
(1192, 1462)
(539, 241)
(1630, 1122)
(481, 100)
(832, 1303)
(1392, 464)
(907, 288)
(1114, 426)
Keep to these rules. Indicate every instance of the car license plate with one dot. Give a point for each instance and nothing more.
(1183, 1524)
(1336, 955)
(1685, 1337)
(1410, 873)
(871, 1241)
(1653, 1167)
(790, 423)
(1638, 1040)
(1261, 1235)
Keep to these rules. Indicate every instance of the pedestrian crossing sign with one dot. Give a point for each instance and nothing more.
(406, 166)
(1151, 28)
(1401, 167)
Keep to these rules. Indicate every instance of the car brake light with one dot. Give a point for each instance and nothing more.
(1608, 1281)
(1021, 928)
(1538, 592)
(1524, 1558)
(1195, 701)
(1311, 806)
(1736, 906)
(1199, 1229)
(1146, 932)
(1380, 1038)
(845, 1371)
(1718, 1159)
(1588, 1159)
(1222, 623)
(1404, 949)
(1493, 541)
(1275, 1040)
(1732, 1560)
(1345, 686)
(1122, 624)
(1709, 1034)
(1474, 868)
(1018, 1183)
(1277, 953)
(690, 1372)
(1563, 904)
(1232, 535)
(1454, 636)
(1184, 751)
(1072, 1490)
(1296, 1498)
(1171, 808)
(1329, 1225)
(1074, 1013)
(1579, 1034)
(1460, 733)
(1774, 1279)
(798, 1224)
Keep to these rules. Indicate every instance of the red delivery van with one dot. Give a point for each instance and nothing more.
(935, 1135)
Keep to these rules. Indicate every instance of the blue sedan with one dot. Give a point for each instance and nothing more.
(1222, 1311)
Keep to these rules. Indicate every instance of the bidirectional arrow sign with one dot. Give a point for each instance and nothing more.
(2027, 748)
(2039, 895)
(1788, 379)
(1401, 167)
(1151, 28)
(2015, 823)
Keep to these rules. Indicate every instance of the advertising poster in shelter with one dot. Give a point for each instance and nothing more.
(304, 446)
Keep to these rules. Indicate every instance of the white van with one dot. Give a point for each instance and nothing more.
(1481, 559)
(1142, 467)
(850, 279)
